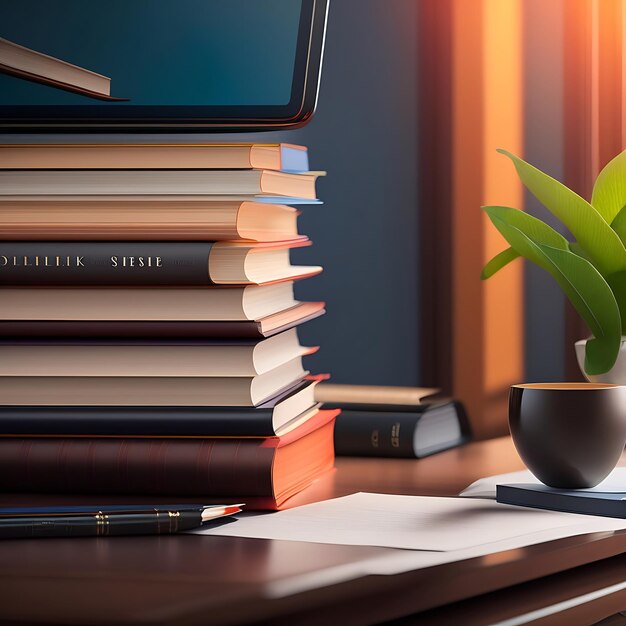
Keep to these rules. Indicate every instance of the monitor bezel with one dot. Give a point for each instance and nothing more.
(182, 118)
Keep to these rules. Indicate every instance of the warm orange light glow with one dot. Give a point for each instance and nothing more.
(487, 114)
(623, 72)
(503, 114)
(606, 81)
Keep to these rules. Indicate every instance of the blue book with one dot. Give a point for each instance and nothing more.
(606, 504)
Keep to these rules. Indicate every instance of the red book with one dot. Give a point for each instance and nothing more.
(263, 473)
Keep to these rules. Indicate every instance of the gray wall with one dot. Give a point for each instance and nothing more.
(543, 106)
(365, 235)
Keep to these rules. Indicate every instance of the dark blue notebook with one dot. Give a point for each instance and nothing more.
(606, 504)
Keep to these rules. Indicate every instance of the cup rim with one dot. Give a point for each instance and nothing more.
(558, 386)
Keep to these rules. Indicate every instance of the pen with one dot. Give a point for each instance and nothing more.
(110, 522)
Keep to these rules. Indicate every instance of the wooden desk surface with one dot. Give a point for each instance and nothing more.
(195, 579)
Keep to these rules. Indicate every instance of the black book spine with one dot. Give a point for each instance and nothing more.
(108, 263)
(370, 433)
(136, 421)
(119, 329)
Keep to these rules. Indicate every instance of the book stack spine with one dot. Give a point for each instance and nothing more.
(148, 326)
(403, 422)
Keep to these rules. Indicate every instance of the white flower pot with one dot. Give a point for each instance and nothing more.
(615, 376)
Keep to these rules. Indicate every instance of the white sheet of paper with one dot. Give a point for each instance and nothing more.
(615, 482)
(411, 522)
(398, 561)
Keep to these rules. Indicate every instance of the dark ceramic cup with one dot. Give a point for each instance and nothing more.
(569, 435)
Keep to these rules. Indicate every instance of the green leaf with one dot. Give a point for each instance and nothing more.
(584, 286)
(609, 190)
(619, 224)
(532, 227)
(574, 247)
(498, 262)
(596, 304)
(600, 242)
(617, 283)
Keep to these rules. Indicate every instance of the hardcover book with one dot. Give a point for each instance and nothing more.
(109, 156)
(141, 390)
(139, 218)
(277, 416)
(143, 263)
(418, 433)
(265, 473)
(188, 304)
(390, 398)
(166, 182)
(155, 357)
(393, 421)
(38, 67)
(264, 326)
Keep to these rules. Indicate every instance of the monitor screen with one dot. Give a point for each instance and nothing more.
(128, 59)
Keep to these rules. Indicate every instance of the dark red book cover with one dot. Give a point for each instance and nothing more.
(266, 471)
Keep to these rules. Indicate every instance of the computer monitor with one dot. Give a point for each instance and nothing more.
(159, 65)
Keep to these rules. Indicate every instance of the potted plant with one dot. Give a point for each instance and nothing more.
(591, 270)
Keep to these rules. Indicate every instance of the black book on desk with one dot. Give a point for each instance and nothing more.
(277, 416)
(606, 504)
(393, 421)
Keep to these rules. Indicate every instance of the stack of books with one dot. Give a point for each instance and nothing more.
(405, 422)
(148, 324)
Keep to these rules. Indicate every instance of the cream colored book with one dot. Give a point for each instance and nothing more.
(334, 394)
(149, 390)
(161, 304)
(35, 66)
(150, 357)
(138, 156)
(158, 183)
(141, 218)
